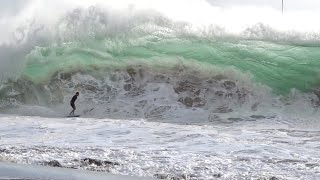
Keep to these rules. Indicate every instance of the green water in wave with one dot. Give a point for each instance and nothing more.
(278, 65)
(281, 67)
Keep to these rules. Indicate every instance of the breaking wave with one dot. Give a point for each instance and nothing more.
(146, 65)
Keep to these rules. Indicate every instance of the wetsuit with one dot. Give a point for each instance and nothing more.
(74, 98)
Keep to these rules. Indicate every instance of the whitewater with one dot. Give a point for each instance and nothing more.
(168, 90)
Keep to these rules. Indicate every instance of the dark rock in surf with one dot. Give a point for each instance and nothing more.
(161, 176)
(273, 178)
(53, 163)
(111, 163)
(174, 176)
(90, 161)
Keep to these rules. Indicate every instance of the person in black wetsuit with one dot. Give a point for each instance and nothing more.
(74, 98)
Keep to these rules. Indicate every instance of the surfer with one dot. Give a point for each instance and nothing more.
(74, 98)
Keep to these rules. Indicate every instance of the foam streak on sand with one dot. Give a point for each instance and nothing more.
(17, 172)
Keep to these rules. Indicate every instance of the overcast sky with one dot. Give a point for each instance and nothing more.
(12, 6)
(289, 5)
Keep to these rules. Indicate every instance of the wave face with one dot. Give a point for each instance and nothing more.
(143, 64)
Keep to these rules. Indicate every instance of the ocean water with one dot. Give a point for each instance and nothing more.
(162, 95)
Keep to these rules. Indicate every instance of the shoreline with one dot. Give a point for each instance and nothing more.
(30, 172)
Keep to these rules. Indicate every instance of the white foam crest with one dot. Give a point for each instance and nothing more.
(199, 13)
